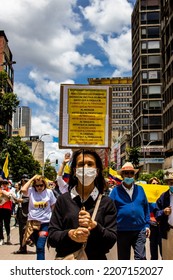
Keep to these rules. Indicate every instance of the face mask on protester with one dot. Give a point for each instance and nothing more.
(128, 180)
(86, 175)
(171, 189)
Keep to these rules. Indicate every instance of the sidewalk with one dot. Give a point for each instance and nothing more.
(6, 251)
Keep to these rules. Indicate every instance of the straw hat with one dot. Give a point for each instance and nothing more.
(168, 176)
(128, 166)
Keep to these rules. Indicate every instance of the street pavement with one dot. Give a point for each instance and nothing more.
(6, 251)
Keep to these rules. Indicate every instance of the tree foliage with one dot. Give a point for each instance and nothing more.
(147, 176)
(133, 155)
(8, 105)
(49, 171)
(21, 160)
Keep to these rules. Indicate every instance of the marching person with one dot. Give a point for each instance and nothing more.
(132, 215)
(5, 211)
(155, 236)
(22, 214)
(164, 215)
(41, 203)
(71, 224)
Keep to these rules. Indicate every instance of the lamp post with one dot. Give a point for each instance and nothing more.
(44, 164)
(144, 152)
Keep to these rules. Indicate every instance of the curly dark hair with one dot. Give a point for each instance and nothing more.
(99, 180)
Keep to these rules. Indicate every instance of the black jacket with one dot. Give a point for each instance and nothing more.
(162, 202)
(65, 217)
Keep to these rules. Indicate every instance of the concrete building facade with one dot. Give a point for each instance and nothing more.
(167, 78)
(22, 118)
(6, 64)
(121, 115)
(147, 83)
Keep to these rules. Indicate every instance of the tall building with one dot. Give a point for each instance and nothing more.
(147, 125)
(22, 121)
(167, 87)
(121, 114)
(6, 64)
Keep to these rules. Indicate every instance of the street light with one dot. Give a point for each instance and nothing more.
(38, 142)
(145, 149)
(44, 164)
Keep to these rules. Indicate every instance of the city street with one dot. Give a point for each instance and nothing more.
(6, 251)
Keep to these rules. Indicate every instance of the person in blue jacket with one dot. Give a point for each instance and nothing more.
(133, 215)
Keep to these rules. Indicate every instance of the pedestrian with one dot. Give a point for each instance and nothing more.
(22, 214)
(5, 211)
(16, 201)
(41, 203)
(164, 215)
(71, 225)
(63, 185)
(132, 215)
(155, 236)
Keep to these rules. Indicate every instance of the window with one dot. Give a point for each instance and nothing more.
(154, 61)
(153, 136)
(154, 45)
(144, 90)
(154, 89)
(153, 17)
(144, 45)
(153, 75)
(145, 120)
(143, 32)
(154, 104)
(153, 32)
(144, 75)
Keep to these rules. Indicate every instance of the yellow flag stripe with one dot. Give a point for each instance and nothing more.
(5, 167)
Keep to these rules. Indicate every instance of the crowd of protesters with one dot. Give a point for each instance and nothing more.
(59, 213)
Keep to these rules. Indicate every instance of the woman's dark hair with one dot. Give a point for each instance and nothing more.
(99, 180)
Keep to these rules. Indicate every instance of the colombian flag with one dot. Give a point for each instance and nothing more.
(153, 192)
(113, 175)
(5, 167)
(66, 174)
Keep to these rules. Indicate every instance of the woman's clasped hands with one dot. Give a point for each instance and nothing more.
(85, 225)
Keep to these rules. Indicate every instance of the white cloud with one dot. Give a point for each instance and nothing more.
(27, 95)
(118, 51)
(108, 16)
(49, 42)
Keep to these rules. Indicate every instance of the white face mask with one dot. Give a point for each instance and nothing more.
(86, 175)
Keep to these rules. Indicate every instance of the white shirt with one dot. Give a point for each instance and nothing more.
(129, 191)
(40, 205)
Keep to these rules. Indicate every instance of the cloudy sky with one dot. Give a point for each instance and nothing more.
(63, 41)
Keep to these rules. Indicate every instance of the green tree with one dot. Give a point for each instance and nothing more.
(21, 160)
(133, 155)
(146, 177)
(49, 171)
(8, 100)
(8, 105)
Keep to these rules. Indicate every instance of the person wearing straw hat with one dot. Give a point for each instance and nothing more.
(132, 215)
(164, 215)
(71, 224)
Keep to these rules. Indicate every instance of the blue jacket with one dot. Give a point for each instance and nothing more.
(132, 214)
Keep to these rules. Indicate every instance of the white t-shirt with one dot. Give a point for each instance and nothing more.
(40, 205)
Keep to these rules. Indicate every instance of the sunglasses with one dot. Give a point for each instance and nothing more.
(129, 172)
(39, 185)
